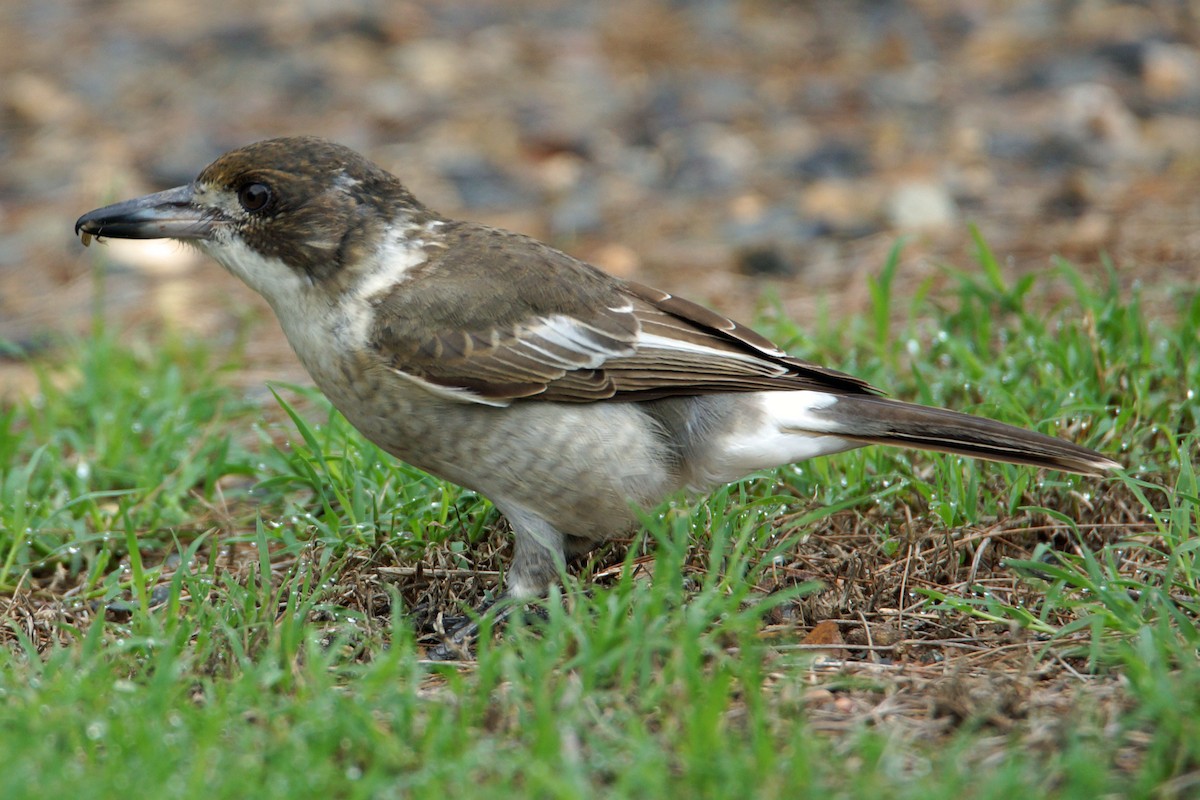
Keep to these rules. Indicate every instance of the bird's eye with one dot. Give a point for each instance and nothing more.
(254, 196)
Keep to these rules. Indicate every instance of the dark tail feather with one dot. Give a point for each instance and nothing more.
(877, 420)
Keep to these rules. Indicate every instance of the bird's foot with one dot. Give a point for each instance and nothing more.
(457, 646)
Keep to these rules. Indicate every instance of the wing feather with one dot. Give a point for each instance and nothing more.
(557, 329)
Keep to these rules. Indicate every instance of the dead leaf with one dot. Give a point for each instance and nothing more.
(826, 632)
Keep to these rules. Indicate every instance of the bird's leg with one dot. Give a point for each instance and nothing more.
(537, 561)
(538, 557)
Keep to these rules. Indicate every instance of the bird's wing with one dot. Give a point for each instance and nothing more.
(560, 330)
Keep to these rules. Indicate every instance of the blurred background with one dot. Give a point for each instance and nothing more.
(723, 150)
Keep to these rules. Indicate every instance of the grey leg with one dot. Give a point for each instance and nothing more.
(537, 561)
(537, 555)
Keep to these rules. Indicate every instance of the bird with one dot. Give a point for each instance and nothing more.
(568, 397)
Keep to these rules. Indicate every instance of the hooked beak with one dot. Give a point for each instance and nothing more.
(165, 215)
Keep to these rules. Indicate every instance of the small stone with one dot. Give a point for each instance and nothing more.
(1073, 197)
(1171, 71)
(616, 259)
(159, 257)
(1095, 116)
(765, 261)
(836, 159)
(1092, 231)
(842, 205)
(482, 184)
(577, 212)
(921, 205)
(433, 65)
(38, 100)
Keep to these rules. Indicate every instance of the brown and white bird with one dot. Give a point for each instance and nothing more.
(565, 395)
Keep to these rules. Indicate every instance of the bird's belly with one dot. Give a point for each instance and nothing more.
(582, 468)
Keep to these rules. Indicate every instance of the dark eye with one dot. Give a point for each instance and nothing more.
(254, 196)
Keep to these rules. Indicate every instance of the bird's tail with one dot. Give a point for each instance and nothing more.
(866, 419)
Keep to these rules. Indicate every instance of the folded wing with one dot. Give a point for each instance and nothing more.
(571, 333)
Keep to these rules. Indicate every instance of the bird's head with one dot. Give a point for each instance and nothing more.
(274, 212)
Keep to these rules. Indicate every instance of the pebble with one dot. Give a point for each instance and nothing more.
(921, 206)
(482, 184)
(844, 207)
(1095, 117)
(765, 261)
(1171, 71)
(578, 212)
(834, 159)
